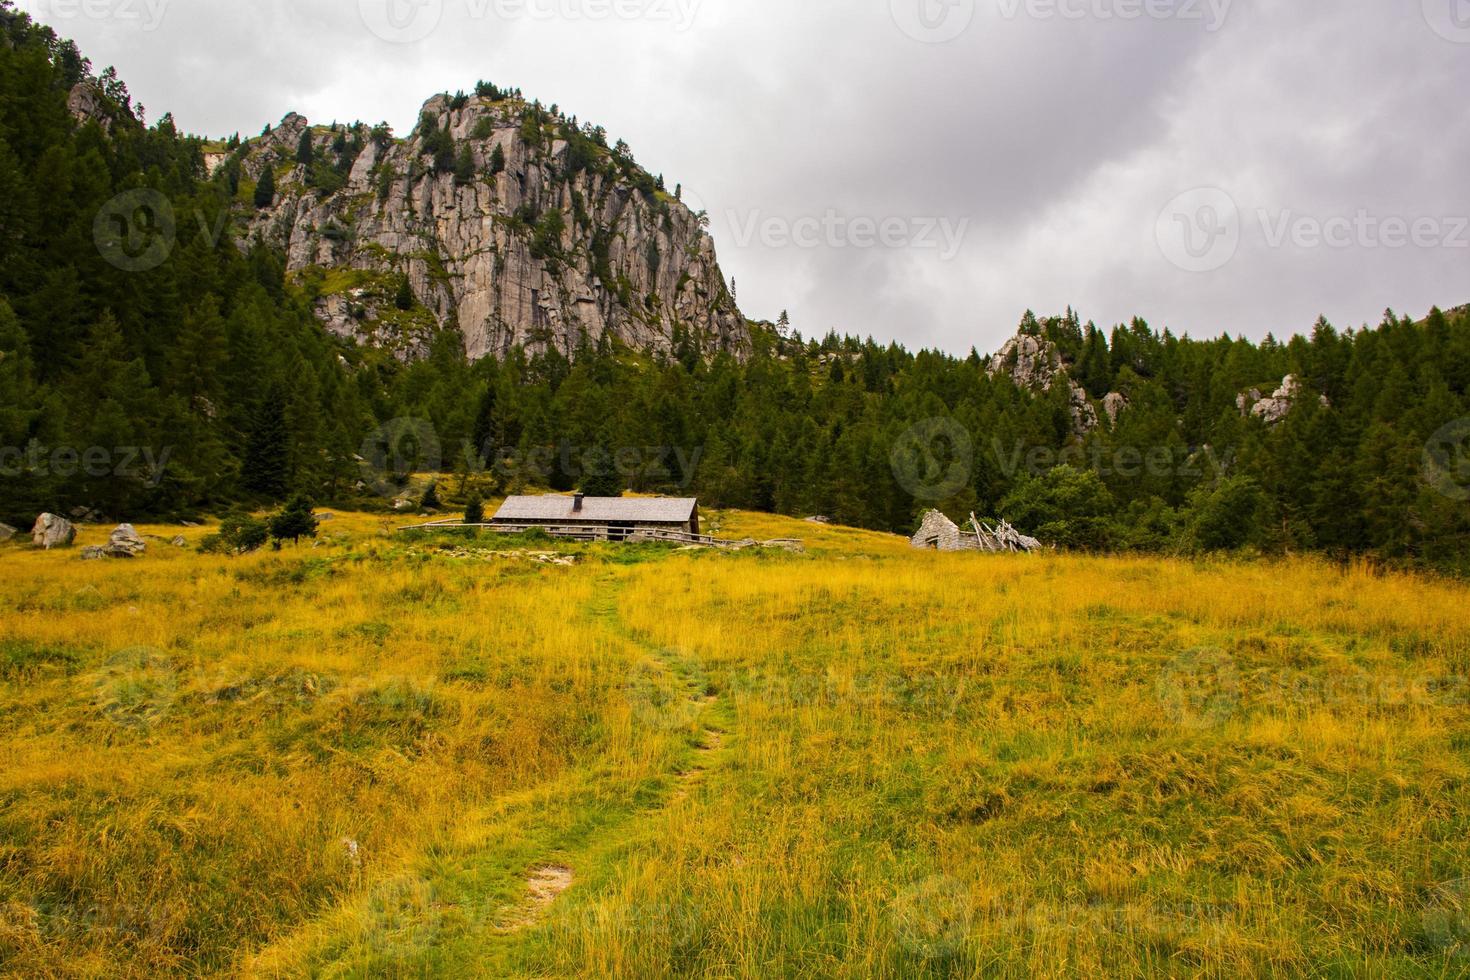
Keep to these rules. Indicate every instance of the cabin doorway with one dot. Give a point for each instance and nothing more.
(619, 531)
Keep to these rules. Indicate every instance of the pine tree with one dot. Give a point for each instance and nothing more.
(295, 522)
(474, 510)
(464, 165)
(305, 152)
(601, 477)
(266, 468)
(265, 190)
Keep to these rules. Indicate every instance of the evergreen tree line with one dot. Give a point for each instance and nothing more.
(203, 383)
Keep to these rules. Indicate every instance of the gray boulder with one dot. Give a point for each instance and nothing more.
(7, 533)
(125, 542)
(180, 542)
(93, 553)
(53, 532)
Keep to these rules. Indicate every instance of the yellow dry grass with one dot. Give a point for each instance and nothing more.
(360, 758)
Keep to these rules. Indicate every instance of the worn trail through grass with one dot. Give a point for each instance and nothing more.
(475, 903)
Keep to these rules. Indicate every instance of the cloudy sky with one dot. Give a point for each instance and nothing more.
(926, 170)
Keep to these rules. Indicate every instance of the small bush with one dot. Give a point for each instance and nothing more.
(238, 534)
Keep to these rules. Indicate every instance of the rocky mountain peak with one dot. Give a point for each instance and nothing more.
(1035, 363)
(494, 216)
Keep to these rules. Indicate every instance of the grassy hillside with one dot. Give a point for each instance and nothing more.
(411, 756)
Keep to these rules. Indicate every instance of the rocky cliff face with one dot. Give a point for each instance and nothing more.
(504, 220)
(1036, 364)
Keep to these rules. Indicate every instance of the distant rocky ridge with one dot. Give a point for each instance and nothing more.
(506, 221)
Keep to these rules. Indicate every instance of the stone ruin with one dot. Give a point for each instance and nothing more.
(939, 533)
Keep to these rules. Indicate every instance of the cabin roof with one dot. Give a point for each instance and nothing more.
(554, 507)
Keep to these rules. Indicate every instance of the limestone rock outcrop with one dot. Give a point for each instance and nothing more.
(1278, 406)
(53, 532)
(1035, 364)
(505, 221)
(125, 542)
(87, 101)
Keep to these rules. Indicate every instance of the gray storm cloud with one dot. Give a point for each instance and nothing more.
(1206, 164)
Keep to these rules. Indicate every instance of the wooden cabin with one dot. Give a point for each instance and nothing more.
(611, 518)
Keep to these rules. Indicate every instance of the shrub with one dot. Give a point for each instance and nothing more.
(1226, 516)
(238, 534)
(1066, 507)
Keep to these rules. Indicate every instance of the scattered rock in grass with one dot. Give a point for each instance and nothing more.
(180, 542)
(93, 553)
(53, 532)
(7, 533)
(819, 520)
(125, 542)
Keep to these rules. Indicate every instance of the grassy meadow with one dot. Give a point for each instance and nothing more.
(393, 755)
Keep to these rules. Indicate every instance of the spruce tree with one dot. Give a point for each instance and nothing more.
(601, 478)
(266, 469)
(295, 522)
(265, 190)
(474, 511)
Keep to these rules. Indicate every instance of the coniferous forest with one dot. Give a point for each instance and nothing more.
(205, 385)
